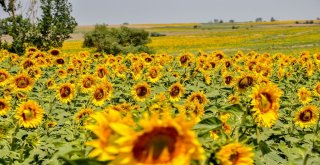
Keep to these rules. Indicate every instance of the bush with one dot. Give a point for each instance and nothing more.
(115, 41)
(156, 34)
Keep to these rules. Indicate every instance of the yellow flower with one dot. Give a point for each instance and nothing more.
(121, 71)
(304, 95)
(87, 83)
(141, 91)
(54, 52)
(79, 116)
(317, 89)
(22, 82)
(192, 110)
(176, 91)
(29, 114)
(228, 78)
(27, 63)
(199, 97)
(186, 59)
(4, 77)
(154, 74)
(265, 101)
(235, 154)
(66, 92)
(306, 116)
(163, 141)
(233, 99)
(101, 93)
(244, 81)
(102, 71)
(4, 106)
(59, 61)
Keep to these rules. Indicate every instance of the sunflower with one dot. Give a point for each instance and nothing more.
(4, 106)
(228, 78)
(186, 59)
(54, 52)
(317, 89)
(101, 71)
(101, 93)
(233, 99)
(23, 82)
(176, 91)
(136, 70)
(192, 110)
(34, 72)
(31, 49)
(304, 95)
(59, 61)
(265, 101)
(28, 63)
(29, 114)
(121, 71)
(4, 77)
(244, 81)
(199, 97)
(87, 83)
(66, 92)
(83, 115)
(141, 91)
(61, 73)
(154, 74)
(163, 141)
(235, 154)
(306, 116)
(104, 146)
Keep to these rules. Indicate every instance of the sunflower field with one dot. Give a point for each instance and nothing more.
(200, 109)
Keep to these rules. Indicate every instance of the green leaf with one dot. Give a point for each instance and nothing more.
(264, 147)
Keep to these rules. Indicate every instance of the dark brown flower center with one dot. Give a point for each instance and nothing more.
(213, 64)
(148, 59)
(228, 64)
(153, 73)
(265, 102)
(99, 94)
(65, 91)
(102, 72)
(220, 56)
(306, 116)
(60, 61)
(153, 144)
(54, 52)
(184, 59)
(175, 91)
(3, 77)
(87, 83)
(27, 64)
(228, 80)
(245, 82)
(234, 157)
(2, 105)
(141, 91)
(22, 82)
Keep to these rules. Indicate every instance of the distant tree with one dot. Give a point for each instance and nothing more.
(231, 21)
(125, 23)
(221, 21)
(272, 19)
(259, 19)
(216, 20)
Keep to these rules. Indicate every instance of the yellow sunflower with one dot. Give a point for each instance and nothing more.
(141, 91)
(66, 92)
(29, 114)
(4, 106)
(54, 52)
(121, 71)
(87, 83)
(101, 93)
(23, 82)
(83, 114)
(28, 63)
(265, 101)
(306, 116)
(176, 91)
(192, 110)
(304, 95)
(244, 81)
(235, 154)
(162, 141)
(4, 77)
(186, 59)
(102, 71)
(59, 61)
(199, 97)
(154, 74)
(317, 89)
(228, 78)
(233, 99)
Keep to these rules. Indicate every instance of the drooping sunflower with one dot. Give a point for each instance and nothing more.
(235, 154)
(176, 91)
(307, 116)
(141, 91)
(54, 52)
(66, 92)
(154, 74)
(4, 77)
(31, 49)
(29, 114)
(265, 101)
(4, 106)
(22, 82)
(304, 95)
(87, 83)
(162, 141)
(199, 97)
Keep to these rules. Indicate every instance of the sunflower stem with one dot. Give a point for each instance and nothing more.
(305, 159)
(315, 133)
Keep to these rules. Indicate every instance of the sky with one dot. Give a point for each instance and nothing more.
(90, 12)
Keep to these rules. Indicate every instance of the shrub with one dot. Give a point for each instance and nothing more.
(115, 41)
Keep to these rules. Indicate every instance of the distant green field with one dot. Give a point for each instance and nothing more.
(283, 36)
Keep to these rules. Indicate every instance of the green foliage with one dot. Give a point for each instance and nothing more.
(117, 40)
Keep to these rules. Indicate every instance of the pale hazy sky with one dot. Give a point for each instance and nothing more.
(89, 12)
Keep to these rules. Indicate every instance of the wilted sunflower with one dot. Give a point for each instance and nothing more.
(154, 74)
(22, 82)
(306, 116)
(54, 52)
(141, 91)
(265, 101)
(176, 91)
(161, 141)
(29, 114)
(4, 106)
(87, 83)
(304, 95)
(235, 154)
(199, 97)
(4, 77)
(66, 92)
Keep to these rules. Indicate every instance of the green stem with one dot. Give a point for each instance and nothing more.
(315, 133)
(305, 160)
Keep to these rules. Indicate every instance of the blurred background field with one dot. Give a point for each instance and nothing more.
(289, 37)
